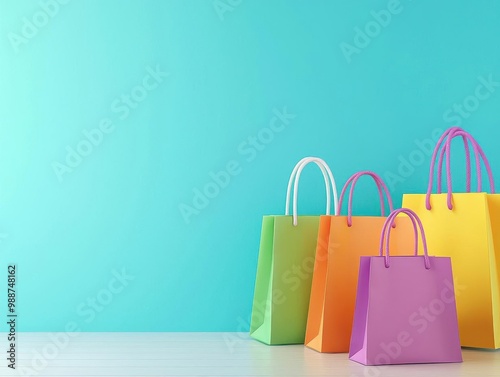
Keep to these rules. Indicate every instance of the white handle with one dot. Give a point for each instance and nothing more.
(295, 177)
(304, 162)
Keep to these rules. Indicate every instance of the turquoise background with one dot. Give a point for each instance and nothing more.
(119, 207)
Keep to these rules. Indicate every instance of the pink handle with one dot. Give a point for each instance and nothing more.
(380, 186)
(478, 152)
(467, 165)
(433, 161)
(355, 177)
(386, 231)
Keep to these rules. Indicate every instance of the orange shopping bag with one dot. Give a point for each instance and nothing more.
(342, 240)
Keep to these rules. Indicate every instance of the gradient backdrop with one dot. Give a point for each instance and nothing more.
(113, 114)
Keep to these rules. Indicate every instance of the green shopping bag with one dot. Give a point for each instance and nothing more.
(285, 267)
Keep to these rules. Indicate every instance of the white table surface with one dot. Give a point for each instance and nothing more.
(207, 354)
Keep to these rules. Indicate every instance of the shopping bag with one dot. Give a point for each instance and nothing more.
(285, 266)
(341, 242)
(466, 227)
(405, 307)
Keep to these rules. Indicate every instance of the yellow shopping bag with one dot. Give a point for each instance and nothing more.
(466, 227)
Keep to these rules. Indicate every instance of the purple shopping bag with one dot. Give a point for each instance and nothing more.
(405, 307)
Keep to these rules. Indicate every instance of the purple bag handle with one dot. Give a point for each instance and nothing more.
(433, 162)
(386, 231)
(479, 152)
(451, 133)
(380, 186)
(355, 178)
